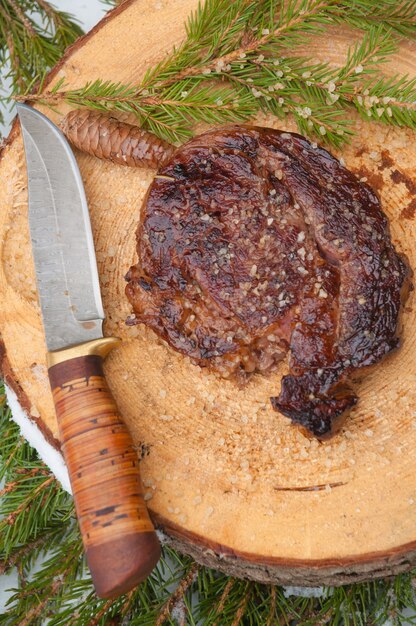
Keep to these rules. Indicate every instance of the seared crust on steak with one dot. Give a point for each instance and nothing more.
(254, 241)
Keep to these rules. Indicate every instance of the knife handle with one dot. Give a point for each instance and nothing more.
(120, 542)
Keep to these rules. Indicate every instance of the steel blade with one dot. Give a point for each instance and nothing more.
(60, 230)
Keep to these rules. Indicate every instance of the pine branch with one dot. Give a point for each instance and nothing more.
(295, 20)
(375, 48)
(379, 101)
(242, 607)
(27, 23)
(177, 595)
(223, 599)
(19, 556)
(12, 486)
(61, 24)
(38, 610)
(170, 115)
(397, 15)
(33, 36)
(238, 60)
(272, 615)
(101, 613)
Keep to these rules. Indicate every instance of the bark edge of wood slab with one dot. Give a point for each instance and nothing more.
(290, 572)
(120, 543)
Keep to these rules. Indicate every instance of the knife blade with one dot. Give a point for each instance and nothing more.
(120, 543)
(62, 243)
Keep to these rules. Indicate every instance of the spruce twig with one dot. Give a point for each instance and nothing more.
(33, 36)
(22, 17)
(272, 615)
(399, 16)
(14, 515)
(19, 554)
(289, 22)
(242, 607)
(96, 620)
(38, 609)
(127, 604)
(223, 599)
(16, 483)
(241, 59)
(14, 62)
(177, 595)
(11, 457)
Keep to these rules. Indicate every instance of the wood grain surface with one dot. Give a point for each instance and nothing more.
(227, 478)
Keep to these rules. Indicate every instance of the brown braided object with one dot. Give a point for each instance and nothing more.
(106, 137)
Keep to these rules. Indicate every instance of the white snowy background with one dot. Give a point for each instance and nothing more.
(88, 12)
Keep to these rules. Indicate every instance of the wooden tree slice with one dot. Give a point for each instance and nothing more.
(230, 480)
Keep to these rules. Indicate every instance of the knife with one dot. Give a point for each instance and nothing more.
(120, 542)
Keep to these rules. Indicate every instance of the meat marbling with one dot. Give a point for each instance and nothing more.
(253, 242)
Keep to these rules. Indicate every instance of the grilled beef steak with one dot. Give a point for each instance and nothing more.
(254, 241)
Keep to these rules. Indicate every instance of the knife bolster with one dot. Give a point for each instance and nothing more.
(97, 347)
